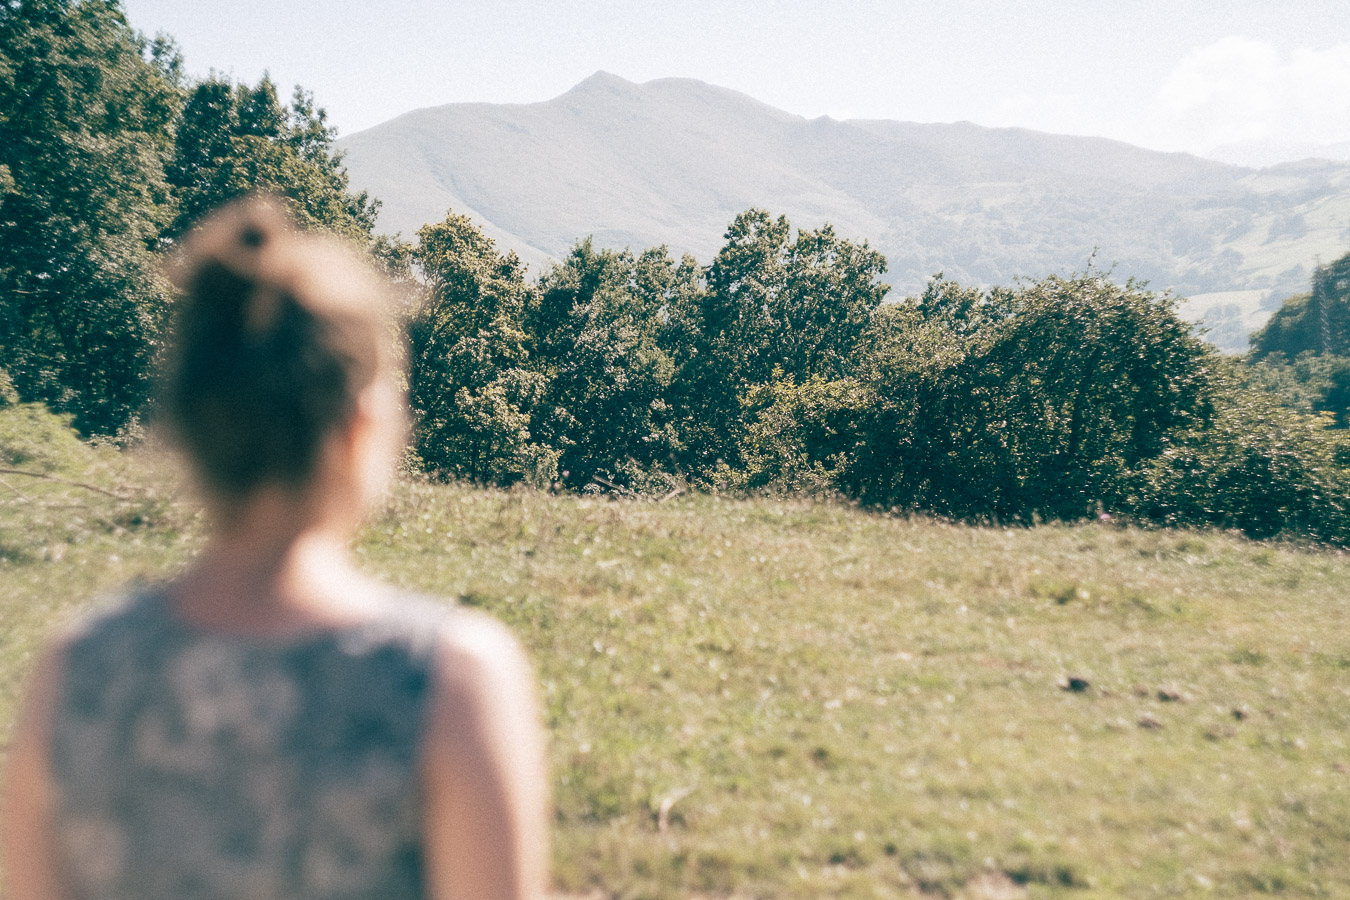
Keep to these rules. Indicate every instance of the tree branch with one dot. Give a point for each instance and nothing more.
(78, 484)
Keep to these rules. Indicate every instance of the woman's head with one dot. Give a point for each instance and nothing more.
(279, 345)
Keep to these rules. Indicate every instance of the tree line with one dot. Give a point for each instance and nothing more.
(107, 153)
(782, 365)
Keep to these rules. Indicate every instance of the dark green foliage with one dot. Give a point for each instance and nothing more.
(798, 306)
(104, 154)
(1256, 466)
(235, 139)
(626, 370)
(1316, 322)
(598, 335)
(1081, 382)
(1274, 457)
(1335, 397)
(470, 385)
(84, 125)
(775, 305)
(807, 438)
(1312, 383)
(1011, 404)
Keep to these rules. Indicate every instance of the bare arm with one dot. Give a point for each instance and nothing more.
(482, 768)
(29, 856)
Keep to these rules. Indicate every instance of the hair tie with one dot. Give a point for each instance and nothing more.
(252, 237)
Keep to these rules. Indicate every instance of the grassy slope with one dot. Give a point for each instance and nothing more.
(831, 702)
(1229, 317)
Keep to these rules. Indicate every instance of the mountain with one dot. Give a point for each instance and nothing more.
(1269, 153)
(672, 161)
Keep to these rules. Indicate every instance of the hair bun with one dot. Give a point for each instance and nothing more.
(246, 239)
(277, 332)
(241, 236)
(252, 236)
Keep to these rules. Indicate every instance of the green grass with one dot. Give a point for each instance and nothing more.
(831, 702)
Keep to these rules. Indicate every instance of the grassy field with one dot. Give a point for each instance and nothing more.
(759, 698)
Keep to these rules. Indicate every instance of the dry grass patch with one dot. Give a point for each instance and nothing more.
(772, 699)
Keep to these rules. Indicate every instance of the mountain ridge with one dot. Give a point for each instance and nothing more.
(671, 161)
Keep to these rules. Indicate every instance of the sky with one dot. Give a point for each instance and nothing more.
(1190, 75)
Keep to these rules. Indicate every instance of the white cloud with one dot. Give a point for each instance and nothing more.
(1238, 89)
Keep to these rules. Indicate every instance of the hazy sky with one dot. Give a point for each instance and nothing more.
(1167, 74)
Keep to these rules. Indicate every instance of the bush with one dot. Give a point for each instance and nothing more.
(1255, 466)
(1007, 404)
(1085, 380)
(805, 438)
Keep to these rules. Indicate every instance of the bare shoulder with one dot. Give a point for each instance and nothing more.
(471, 634)
(478, 660)
(483, 767)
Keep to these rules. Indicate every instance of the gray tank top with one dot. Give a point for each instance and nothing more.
(191, 764)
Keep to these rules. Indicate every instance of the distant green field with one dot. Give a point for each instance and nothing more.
(761, 698)
(1229, 317)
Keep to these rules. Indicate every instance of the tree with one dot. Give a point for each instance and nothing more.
(470, 386)
(84, 123)
(806, 438)
(235, 139)
(597, 337)
(920, 365)
(774, 304)
(1316, 322)
(1086, 380)
(1045, 400)
(797, 306)
(1254, 465)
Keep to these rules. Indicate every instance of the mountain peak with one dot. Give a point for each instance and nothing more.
(602, 82)
(672, 160)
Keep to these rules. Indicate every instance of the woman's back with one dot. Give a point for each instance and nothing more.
(272, 723)
(195, 764)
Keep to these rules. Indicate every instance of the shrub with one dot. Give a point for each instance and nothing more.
(1255, 466)
(1008, 404)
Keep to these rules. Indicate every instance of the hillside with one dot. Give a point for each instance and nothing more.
(1259, 154)
(672, 160)
(760, 698)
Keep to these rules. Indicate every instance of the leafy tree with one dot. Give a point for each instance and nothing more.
(797, 306)
(234, 139)
(1086, 379)
(1042, 401)
(470, 385)
(774, 304)
(597, 337)
(1317, 322)
(806, 438)
(1334, 398)
(84, 123)
(1312, 383)
(922, 368)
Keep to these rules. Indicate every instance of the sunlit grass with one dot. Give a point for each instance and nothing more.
(767, 698)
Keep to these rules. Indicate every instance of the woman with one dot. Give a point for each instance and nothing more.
(272, 723)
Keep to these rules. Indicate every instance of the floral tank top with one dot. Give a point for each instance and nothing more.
(192, 764)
